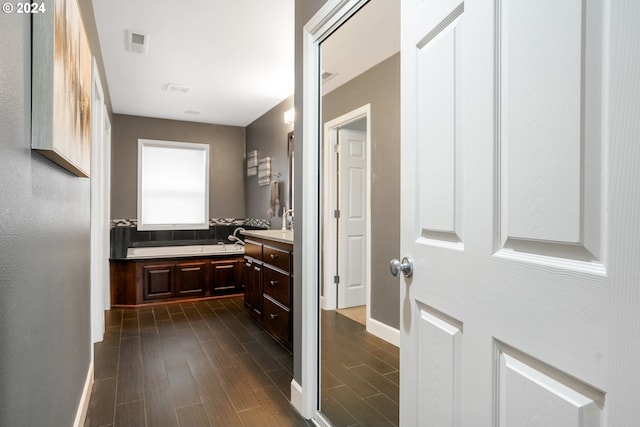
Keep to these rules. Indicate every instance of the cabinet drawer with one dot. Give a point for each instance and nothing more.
(276, 284)
(276, 257)
(253, 249)
(277, 320)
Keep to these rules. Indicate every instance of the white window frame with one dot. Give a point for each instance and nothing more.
(204, 215)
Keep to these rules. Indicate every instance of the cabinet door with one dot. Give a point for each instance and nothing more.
(226, 277)
(158, 281)
(191, 278)
(253, 287)
(239, 274)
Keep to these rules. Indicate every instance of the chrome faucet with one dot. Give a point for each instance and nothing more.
(235, 238)
(285, 211)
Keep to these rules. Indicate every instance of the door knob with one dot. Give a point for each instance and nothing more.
(406, 266)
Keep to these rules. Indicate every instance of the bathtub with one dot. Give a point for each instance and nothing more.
(184, 251)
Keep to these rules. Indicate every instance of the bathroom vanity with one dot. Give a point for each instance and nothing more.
(268, 278)
(155, 274)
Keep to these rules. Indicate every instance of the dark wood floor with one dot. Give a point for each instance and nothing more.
(190, 364)
(360, 375)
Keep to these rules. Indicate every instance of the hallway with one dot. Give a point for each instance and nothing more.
(198, 364)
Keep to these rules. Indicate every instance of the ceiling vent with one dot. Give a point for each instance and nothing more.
(172, 87)
(326, 76)
(137, 42)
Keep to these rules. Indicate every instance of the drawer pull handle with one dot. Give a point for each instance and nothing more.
(273, 316)
(274, 256)
(273, 282)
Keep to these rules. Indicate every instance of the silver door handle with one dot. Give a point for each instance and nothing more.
(406, 266)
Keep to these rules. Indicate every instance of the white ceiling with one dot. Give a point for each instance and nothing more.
(237, 57)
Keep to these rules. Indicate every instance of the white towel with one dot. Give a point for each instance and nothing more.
(274, 199)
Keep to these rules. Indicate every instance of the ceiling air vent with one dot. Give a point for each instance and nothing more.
(137, 41)
(172, 87)
(326, 76)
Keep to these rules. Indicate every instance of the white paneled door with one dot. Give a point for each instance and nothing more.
(352, 224)
(504, 213)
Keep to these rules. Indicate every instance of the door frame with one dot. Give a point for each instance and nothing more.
(106, 207)
(98, 198)
(304, 397)
(328, 299)
(100, 206)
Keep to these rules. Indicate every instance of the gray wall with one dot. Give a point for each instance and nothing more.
(226, 175)
(379, 86)
(268, 135)
(44, 259)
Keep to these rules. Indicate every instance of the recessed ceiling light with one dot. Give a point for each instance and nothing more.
(192, 112)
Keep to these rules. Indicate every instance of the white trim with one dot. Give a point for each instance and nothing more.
(329, 298)
(323, 23)
(322, 421)
(106, 209)
(296, 396)
(383, 331)
(83, 406)
(330, 290)
(98, 198)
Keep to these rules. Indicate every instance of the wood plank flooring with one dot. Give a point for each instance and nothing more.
(360, 375)
(194, 364)
(208, 364)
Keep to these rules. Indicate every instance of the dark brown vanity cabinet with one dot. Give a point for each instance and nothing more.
(268, 281)
(140, 281)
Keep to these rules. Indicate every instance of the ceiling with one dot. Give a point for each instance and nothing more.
(366, 39)
(230, 61)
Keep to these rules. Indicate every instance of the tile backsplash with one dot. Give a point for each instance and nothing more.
(124, 234)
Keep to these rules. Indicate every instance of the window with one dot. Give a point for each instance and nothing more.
(173, 185)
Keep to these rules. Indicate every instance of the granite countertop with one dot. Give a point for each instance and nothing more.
(282, 236)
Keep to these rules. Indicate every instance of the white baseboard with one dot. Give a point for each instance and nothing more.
(83, 406)
(383, 331)
(296, 397)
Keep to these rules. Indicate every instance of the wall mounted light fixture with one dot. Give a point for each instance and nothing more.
(289, 116)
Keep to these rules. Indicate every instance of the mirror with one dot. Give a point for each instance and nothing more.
(359, 221)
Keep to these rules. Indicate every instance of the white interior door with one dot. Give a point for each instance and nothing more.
(504, 213)
(352, 222)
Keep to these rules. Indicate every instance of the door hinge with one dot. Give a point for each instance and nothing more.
(336, 213)
(336, 148)
(336, 279)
